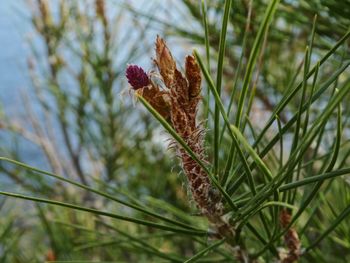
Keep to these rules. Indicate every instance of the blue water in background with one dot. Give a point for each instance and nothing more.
(13, 76)
(14, 28)
(15, 32)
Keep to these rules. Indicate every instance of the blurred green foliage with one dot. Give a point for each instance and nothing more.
(81, 118)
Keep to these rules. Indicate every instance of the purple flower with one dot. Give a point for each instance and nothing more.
(136, 76)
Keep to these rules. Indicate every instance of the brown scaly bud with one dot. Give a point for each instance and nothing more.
(193, 75)
(159, 99)
(165, 62)
(291, 239)
(179, 101)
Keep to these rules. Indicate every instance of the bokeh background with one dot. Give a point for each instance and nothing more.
(66, 107)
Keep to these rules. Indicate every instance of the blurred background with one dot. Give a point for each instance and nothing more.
(65, 107)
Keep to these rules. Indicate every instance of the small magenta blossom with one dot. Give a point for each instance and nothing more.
(137, 77)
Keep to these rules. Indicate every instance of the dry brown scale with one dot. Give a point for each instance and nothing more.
(178, 103)
(291, 239)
